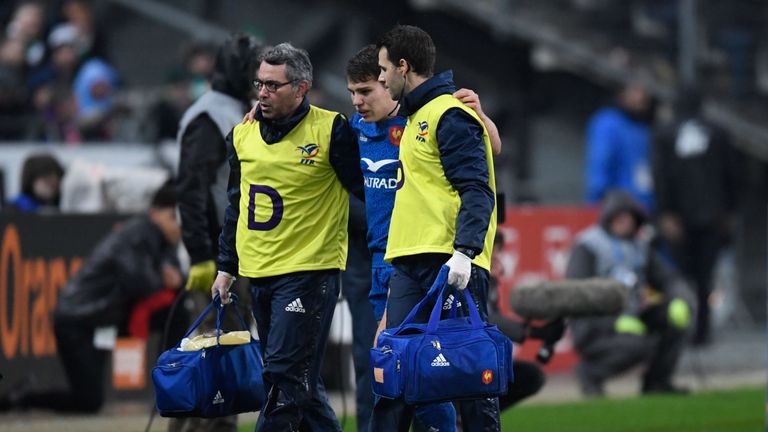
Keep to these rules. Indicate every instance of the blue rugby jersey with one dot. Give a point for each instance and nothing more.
(379, 151)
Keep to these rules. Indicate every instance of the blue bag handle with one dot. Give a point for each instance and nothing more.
(454, 306)
(222, 310)
(474, 315)
(216, 302)
(437, 286)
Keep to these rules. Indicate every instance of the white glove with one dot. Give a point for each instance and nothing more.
(221, 286)
(461, 267)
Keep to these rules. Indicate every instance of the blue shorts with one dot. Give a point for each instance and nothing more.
(380, 274)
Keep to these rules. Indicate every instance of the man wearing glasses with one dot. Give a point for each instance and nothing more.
(285, 228)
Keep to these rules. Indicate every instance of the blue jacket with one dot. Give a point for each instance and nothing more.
(618, 157)
(379, 150)
(462, 154)
(25, 203)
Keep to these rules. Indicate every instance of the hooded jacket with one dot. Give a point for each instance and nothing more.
(203, 171)
(598, 253)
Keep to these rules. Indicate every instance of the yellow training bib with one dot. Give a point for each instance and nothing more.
(426, 204)
(293, 209)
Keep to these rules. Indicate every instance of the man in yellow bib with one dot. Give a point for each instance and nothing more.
(445, 202)
(285, 228)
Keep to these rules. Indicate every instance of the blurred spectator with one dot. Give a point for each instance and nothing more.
(185, 85)
(165, 115)
(203, 167)
(203, 175)
(40, 185)
(26, 26)
(129, 265)
(652, 327)
(91, 40)
(13, 95)
(695, 173)
(200, 62)
(51, 88)
(618, 148)
(94, 88)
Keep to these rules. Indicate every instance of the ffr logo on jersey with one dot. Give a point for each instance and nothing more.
(423, 133)
(308, 153)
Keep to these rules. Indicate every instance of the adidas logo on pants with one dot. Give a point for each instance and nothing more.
(295, 306)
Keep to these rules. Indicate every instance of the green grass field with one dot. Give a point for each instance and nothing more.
(739, 410)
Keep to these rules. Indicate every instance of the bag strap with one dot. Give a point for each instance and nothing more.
(222, 310)
(216, 302)
(200, 318)
(437, 286)
(454, 305)
(474, 315)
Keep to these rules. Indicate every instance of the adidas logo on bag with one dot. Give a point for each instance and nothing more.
(440, 361)
(218, 399)
(449, 302)
(295, 306)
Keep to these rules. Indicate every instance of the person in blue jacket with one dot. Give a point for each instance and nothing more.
(379, 129)
(41, 177)
(618, 148)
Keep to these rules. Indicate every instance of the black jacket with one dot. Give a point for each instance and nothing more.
(462, 154)
(204, 150)
(697, 183)
(126, 266)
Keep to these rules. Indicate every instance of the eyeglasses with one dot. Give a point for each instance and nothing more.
(271, 86)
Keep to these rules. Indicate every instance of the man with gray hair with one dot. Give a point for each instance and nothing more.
(285, 228)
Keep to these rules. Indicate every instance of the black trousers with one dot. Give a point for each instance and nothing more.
(605, 353)
(84, 366)
(293, 316)
(697, 256)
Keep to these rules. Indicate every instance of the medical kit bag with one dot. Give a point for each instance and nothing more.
(215, 381)
(444, 359)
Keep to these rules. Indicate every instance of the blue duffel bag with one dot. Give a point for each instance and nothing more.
(450, 359)
(216, 381)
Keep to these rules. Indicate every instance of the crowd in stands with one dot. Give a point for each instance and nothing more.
(56, 82)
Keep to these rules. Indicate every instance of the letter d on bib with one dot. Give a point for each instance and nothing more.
(277, 208)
